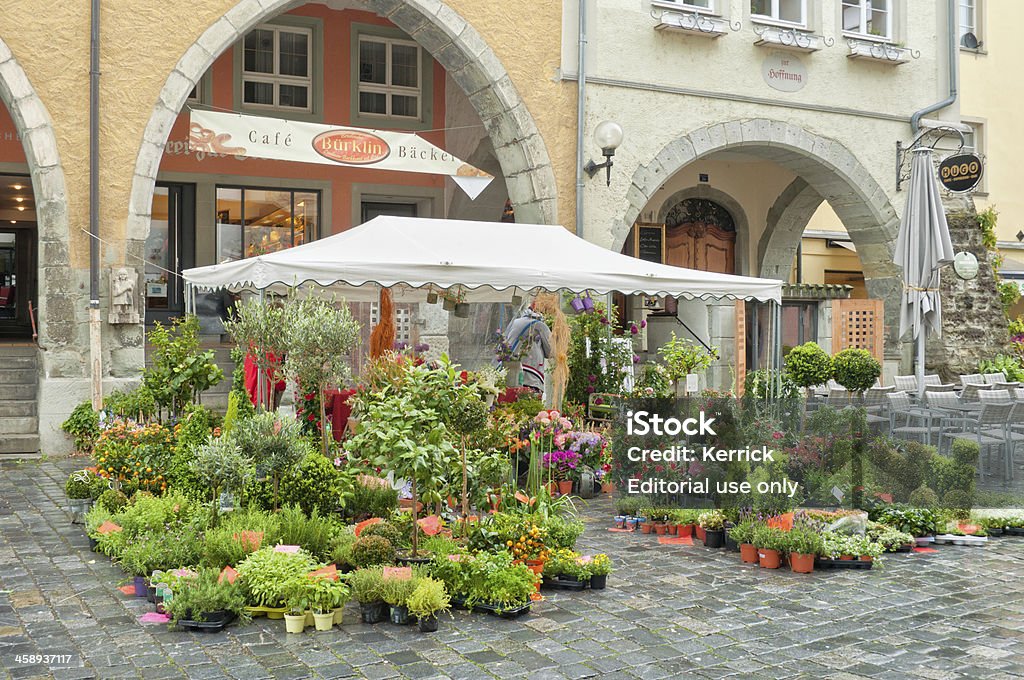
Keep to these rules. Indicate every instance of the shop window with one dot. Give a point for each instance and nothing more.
(256, 221)
(277, 68)
(784, 11)
(868, 18)
(170, 247)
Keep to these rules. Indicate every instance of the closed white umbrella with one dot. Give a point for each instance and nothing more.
(922, 246)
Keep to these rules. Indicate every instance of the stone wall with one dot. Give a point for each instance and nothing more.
(973, 323)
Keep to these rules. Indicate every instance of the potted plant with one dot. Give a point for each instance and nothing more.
(297, 599)
(808, 365)
(804, 545)
(265, 573)
(866, 549)
(562, 466)
(219, 465)
(203, 601)
(425, 602)
(326, 596)
(771, 546)
(600, 567)
(79, 490)
(743, 533)
(855, 369)
(713, 524)
(683, 357)
(395, 591)
(365, 585)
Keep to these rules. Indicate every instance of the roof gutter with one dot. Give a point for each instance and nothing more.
(954, 58)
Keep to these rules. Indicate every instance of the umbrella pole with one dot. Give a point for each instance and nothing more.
(919, 364)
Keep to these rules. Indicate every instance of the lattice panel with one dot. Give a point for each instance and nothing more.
(858, 324)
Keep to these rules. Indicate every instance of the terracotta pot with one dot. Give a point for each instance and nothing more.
(801, 564)
(846, 557)
(673, 529)
(748, 553)
(565, 487)
(769, 559)
(646, 527)
(684, 530)
(660, 528)
(700, 532)
(866, 558)
(607, 487)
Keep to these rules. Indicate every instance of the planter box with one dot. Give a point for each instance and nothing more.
(563, 583)
(507, 613)
(881, 52)
(695, 23)
(215, 623)
(950, 539)
(822, 563)
(1015, 531)
(794, 39)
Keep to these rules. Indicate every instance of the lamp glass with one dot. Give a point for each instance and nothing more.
(608, 135)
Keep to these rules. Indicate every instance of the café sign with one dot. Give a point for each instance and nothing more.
(960, 172)
(238, 135)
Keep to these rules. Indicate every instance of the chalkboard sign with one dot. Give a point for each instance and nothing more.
(649, 241)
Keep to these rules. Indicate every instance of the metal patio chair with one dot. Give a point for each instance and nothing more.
(914, 419)
(994, 396)
(982, 430)
(905, 383)
(993, 378)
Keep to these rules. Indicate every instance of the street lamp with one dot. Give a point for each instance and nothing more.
(608, 136)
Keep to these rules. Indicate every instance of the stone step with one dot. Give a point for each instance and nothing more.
(18, 376)
(18, 350)
(17, 361)
(20, 443)
(18, 392)
(11, 408)
(19, 425)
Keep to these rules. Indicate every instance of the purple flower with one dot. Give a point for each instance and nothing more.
(633, 329)
(636, 358)
(643, 324)
(421, 347)
(592, 379)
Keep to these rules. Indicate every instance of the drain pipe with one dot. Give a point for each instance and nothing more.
(581, 107)
(95, 328)
(954, 58)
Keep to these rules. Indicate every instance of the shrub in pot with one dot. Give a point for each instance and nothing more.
(395, 591)
(743, 533)
(326, 596)
(713, 524)
(804, 545)
(265, 573)
(204, 598)
(855, 369)
(365, 586)
(78, 489)
(370, 551)
(426, 602)
(808, 365)
(600, 567)
(771, 545)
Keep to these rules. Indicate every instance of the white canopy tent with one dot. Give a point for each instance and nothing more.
(475, 261)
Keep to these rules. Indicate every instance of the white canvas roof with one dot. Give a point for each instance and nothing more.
(487, 261)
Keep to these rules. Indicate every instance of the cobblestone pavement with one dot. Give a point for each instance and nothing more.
(669, 612)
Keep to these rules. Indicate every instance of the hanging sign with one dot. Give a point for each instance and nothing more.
(286, 140)
(965, 265)
(960, 172)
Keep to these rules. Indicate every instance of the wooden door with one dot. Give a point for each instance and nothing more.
(859, 324)
(703, 247)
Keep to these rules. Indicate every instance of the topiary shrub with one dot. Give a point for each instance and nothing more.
(855, 369)
(385, 529)
(112, 500)
(369, 551)
(959, 502)
(923, 497)
(808, 365)
(312, 484)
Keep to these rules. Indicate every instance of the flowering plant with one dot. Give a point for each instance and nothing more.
(503, 351)
(591, 446)
(130, 452)
(562, 465)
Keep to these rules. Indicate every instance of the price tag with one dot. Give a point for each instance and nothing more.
(838, 493)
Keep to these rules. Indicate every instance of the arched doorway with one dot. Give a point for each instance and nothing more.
(700, 234)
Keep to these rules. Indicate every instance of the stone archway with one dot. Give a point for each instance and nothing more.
(452, 41)
(787, 219)
(828, 167)
(731, 205)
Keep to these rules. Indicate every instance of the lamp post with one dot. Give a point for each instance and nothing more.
(607, 135)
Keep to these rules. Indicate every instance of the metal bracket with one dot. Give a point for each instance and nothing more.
(793, 37)
(937, 134)
(884, 51)
(695, 21)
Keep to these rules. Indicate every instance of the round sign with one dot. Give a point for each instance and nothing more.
(784, 71)
(961, 172)
(965, 265)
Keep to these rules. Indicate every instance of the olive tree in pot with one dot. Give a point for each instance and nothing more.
(683, 357)
(320, 334)
(404, 428)
(274, 443)
(426, 602)
(220, 466)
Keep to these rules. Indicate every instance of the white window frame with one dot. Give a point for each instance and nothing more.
(276, 78)
(774, 19)
(865, 10)
(977, 11)
(387, 89)
(688, 6)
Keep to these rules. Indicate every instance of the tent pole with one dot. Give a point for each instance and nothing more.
(919, 363)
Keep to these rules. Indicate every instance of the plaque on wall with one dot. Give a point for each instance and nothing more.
(649, 241)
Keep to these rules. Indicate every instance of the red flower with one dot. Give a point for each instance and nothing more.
(311, 417)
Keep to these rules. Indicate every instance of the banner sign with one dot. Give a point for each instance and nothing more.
(961, 172)
(236, 134)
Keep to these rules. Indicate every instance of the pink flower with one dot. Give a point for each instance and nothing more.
(776, 435)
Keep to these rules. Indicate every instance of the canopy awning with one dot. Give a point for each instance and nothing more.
(478, 261)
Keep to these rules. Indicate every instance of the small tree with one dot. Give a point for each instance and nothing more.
(855, 369)
(274, 444)
(808, 365)
(468, 416)
(220, 465)
(319, 337)
(180, 371)
(259, 329)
